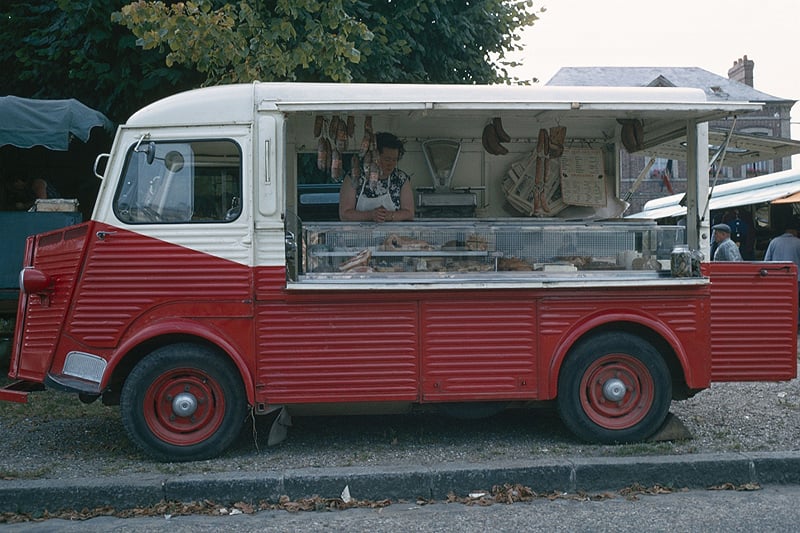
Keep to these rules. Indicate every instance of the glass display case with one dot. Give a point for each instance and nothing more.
(436, 249)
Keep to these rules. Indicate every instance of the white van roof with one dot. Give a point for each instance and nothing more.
(239, 103)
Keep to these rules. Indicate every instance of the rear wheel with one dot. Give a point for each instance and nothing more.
(614, 387)
(183, 402)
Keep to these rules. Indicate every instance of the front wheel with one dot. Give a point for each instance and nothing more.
(614, 388)
(183, 402)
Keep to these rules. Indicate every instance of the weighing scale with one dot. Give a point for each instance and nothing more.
(443, 200)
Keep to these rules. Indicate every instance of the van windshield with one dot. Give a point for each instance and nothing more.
(180, 182)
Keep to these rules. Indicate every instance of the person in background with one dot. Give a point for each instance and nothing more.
(389, 198)
(786, 247)
(742, 233)
(24, 192)
(726, 249)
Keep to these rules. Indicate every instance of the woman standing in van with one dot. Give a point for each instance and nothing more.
(387, 199)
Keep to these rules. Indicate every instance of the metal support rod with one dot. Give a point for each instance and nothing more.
(639, 179)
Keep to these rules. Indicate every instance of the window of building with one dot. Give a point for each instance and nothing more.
(757, 168)
(665, 172)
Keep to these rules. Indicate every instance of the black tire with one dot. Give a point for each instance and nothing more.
(183, 402)
(614, 388)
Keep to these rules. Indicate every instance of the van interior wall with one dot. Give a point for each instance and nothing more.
(70, 172)
(475, 168)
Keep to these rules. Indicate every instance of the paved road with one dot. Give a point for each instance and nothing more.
(773, 508)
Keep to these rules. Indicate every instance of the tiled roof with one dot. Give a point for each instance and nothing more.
(715, 87)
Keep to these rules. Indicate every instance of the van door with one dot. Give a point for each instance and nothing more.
(753, 321)
(173, 237)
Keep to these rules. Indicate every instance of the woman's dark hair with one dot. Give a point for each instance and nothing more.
(388, 140)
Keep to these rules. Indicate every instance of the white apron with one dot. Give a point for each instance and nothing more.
(368, 204)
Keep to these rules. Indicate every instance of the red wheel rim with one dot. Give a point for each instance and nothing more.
(617, 391)
(184, 406)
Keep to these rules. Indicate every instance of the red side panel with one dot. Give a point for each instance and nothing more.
(345, 347)
(128, 275)
(41, 318)
(270, 283)
(753, 321)
(441, 346)
(479, 349)
(343, 351)
(110, 283)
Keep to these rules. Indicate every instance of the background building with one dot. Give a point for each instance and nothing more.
(668, 176)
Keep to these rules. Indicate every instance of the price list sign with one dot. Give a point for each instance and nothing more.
(583, 177)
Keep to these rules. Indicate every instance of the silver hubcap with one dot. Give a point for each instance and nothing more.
(184, 404)
(614, 390)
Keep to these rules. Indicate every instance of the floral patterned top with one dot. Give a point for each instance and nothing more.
(395, 183)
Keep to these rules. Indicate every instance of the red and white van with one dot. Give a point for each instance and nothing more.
(197, 295)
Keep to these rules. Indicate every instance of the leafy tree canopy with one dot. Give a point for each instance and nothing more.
(117, 56)
(445, 41)
(72, 49)
(442, 41)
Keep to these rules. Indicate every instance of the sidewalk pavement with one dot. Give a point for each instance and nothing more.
(590, 474)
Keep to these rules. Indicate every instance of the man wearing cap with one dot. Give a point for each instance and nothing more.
(726, 248)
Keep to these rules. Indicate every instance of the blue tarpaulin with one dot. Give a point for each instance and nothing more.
(26, 122)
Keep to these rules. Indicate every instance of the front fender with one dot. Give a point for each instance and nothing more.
(166, 331)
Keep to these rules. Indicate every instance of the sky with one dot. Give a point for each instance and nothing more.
(670, 33)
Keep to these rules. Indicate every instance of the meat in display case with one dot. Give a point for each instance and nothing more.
(438, 249)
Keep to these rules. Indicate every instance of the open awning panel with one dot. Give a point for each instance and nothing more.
(742, 149)
(791, 199)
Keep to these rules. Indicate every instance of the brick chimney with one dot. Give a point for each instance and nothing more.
(742, 71)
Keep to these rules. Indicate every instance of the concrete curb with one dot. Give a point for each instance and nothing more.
(592, 474)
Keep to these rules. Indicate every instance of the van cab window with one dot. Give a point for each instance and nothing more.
(180, 182)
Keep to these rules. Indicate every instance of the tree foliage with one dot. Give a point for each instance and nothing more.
(442, 41)
(446, 41)
(250, 39)
(72, 49)
(116, 56)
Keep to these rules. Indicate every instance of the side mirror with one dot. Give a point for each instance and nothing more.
(150, 152)
(149, 149)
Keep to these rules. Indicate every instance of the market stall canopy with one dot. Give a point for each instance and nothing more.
(791, 199)
(26, 122)
(742, 148)
(767, 188)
